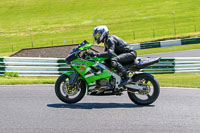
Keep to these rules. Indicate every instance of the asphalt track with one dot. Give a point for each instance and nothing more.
(184, 53)
(36, 109)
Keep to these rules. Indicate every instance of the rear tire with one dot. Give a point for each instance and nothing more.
(150, 95)
(65, 94)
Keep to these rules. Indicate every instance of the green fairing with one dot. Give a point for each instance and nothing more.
(81, 66)
(68, 73)
(85, 47)
(99, 59)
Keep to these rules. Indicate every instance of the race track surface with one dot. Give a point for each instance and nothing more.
(36, 109)
(185, 53)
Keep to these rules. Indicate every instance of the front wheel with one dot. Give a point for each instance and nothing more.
(67, 95)
(150, 92)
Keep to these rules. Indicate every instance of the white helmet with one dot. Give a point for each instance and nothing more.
(99, 33)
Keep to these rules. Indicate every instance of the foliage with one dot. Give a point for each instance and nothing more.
(11, 74)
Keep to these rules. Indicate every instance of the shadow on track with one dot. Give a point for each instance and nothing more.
(96, 105)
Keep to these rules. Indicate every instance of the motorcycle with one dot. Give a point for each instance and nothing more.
(93, 76)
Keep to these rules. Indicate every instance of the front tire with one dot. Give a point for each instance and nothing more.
(67, 95)
(147, 96)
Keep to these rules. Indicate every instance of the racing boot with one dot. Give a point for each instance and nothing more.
(125, 79)
(124, 74)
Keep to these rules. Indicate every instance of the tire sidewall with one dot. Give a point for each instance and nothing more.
(155, 93)
(65, 99)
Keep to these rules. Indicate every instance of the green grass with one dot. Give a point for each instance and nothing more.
(27, 80)
(52, 22)
(178, 80)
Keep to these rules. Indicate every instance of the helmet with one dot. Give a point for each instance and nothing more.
(99, 33)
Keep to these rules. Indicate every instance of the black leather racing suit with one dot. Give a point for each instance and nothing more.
(125, 54)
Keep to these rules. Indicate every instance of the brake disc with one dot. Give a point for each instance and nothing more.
(67, 91)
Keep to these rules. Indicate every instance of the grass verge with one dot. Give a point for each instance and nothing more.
(172, 80)
(27, 80)
(179, 80)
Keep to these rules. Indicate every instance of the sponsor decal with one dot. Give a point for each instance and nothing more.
(77, 61)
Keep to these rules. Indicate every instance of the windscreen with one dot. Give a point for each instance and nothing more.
(80, 45)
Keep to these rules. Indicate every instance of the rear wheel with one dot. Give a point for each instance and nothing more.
(67, 95)
(150, 92)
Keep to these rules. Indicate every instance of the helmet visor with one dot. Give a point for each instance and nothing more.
(97, 37)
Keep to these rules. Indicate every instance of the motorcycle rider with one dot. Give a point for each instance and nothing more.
(114, 46)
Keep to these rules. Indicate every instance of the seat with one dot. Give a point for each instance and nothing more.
(142, 62)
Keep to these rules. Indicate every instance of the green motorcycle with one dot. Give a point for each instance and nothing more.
(93, 76)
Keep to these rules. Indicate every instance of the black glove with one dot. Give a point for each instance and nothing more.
(91, 54)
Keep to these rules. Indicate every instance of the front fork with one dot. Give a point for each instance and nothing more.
(73, 78)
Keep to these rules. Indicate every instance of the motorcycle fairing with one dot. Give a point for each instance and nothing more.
(86, 70)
